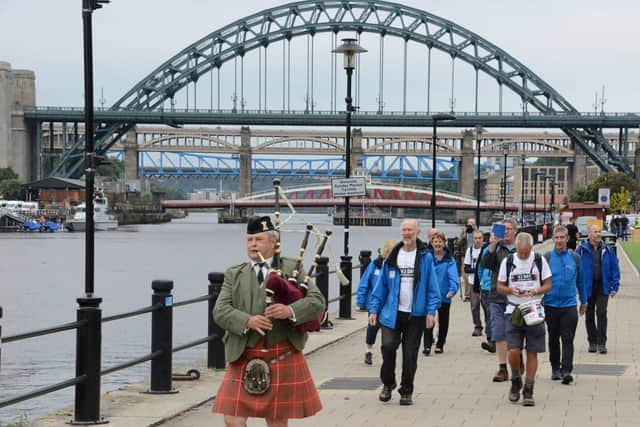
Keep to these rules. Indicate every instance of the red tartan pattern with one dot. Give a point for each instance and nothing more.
(292, 393)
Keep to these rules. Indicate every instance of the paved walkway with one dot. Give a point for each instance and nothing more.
(452, 389)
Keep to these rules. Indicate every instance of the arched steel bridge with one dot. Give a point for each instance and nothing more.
(155, 96)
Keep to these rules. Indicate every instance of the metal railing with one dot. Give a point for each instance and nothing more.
(88, 327)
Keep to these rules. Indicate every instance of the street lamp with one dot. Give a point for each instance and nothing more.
(479, 131)
(535, 196)
(551, 200)
(349, 48)
(442, 117)
(522, 158)
(505, 152)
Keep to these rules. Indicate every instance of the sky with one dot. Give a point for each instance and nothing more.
(577, 46)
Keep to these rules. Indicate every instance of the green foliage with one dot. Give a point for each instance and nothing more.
(22, 421)
(620, 201)
(11, 189)
(114, 170)
(613, 181)
(550, 161)
(170, 193)
(7, 173)
(146, 198)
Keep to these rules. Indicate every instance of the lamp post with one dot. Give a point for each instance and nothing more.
(522, 158)
(505, 152)
(551, 200)
(479, 131)
(535, 196)
(349, 48)
(442, 117)
(544, 201)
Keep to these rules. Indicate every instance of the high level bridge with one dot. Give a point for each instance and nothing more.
(276, 68)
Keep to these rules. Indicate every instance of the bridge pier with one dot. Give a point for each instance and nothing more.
(17, 90)
(356, 149)
(467, 178)
(577, 170)
(131, 158)
(245, 161)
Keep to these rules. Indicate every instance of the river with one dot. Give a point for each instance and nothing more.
(42, 274)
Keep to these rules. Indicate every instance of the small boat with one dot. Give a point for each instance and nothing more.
(102, 220)
(44, 226)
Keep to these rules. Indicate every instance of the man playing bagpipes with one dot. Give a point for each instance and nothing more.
(267, 375)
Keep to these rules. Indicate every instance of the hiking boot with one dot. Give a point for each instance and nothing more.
(556, 375)
(426, 351)
(368, 358)
(501, 376)
(490, 346)
(602, 349)
(567, 379)
(514, 392)
(527, 395)
(406, 400)
(385, 394)
(477, 332)
(593, 348)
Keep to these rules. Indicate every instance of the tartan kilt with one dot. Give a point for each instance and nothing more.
(292, 393)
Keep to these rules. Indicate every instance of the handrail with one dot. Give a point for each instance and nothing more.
(130, 363)
(47, 331)
(195, 343)
(148, 309)
(192, 301)
(42, 391)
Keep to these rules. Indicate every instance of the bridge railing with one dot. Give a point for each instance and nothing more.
(88, 327)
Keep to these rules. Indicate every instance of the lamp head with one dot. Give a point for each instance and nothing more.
(349, 48)
(442, 117)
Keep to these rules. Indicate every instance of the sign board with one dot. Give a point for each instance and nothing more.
(603, 196)
(347, 187)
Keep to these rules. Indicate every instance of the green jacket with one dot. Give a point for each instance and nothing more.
(241, 297)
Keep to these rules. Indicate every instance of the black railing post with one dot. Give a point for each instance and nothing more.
(215, 350)
(0, 338)
(162, 337)
(364, 258)
(322, 281)
(345, 290)
(88, 354)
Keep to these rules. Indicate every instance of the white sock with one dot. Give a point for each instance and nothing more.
(368, 350)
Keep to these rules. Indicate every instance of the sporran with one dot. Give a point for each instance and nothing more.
(256, 377)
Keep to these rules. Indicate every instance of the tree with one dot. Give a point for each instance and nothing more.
(613, 181)
(11, 189)
(620, 201)
(7, 173)
(115, 169)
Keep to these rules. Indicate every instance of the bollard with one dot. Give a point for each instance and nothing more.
(322, 281)
(88, 353)
(162, 338)
(364, 258)
(215, 348)
(345, 290)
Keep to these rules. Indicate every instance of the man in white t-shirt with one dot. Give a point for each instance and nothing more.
(471, 258)
(523, 277)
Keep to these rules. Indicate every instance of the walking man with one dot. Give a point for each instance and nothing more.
(404, 301)
(601, 275)
(498, 250)
(471, 258)
(465, 241)
(561, 306)
(523, 277)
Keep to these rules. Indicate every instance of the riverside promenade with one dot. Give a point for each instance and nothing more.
(451, 389)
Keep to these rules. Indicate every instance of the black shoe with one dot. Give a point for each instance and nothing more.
(368, 358)
(602, 349)
(427, 351)
(514, 392)
(490, 346)
(527, 395)
(477, 332)
(593, 348)
(501, 376)
(385, 394)
(556, 375)
(439, 349)
(406, 400)
(567, 379)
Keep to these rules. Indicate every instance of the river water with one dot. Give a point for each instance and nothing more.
(42, 274)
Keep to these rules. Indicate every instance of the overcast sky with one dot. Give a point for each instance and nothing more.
(577, 46)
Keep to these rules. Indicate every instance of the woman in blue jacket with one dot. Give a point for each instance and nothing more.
(449, 282)
(367, 281)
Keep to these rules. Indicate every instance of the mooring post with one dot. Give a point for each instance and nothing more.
(215, 350)
(162, 337)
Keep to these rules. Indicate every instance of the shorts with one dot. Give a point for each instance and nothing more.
(498, 331)
(534, 336)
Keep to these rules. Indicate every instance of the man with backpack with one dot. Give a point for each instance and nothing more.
(601, 276)
(523, 278)
(561, 306)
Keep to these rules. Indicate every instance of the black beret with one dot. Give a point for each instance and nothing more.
(259, 224)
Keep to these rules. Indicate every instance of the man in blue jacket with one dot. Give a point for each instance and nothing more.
(404, 301)
(601, 276)
(561, 305)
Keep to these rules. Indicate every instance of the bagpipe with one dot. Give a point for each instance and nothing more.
(286, 290)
